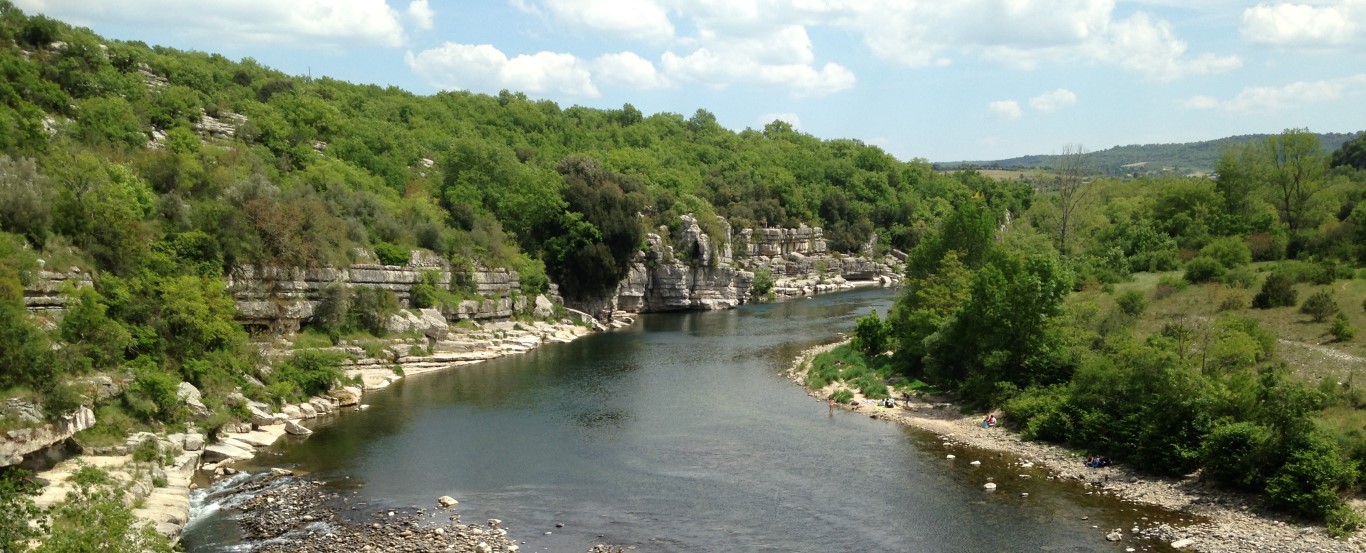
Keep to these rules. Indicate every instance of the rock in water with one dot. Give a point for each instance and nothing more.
(1114, 536)
(989, 485)
(1183, 543)
(447, 501)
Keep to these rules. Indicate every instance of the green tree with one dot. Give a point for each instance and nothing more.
(602, 232)
(1319, 306)
(870, 335)
(17, 510)
(1277, 291)
(88, 328)
(1351, 154)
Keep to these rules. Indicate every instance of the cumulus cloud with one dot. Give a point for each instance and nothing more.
(1336, 24)
(1299, 93)
(302, 22)
(421, 14)
(483, 68)
(782, 56)
(1006, 109)
(1150, 47)
(631, 19)
(629, 70)
(1053, 100)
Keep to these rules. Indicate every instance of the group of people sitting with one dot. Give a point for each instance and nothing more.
(1095, 461)
(989, 421)
(888, 402)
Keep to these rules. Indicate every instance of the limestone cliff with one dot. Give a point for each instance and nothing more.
(694, 272)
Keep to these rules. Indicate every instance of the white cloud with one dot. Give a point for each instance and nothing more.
(629, 70)
(781, 56)
(1150, 47)
(631, 19)
(1020, 34)
(1299, 93)
(786, 117)
(1338, 23)
(1006, 109)
(421, 14)
(1053, 100)
(484, 68)
(301, 22)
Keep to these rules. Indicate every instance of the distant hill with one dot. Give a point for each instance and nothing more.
(1139, 159)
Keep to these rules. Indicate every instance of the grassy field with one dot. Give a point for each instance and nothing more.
(1305, 345)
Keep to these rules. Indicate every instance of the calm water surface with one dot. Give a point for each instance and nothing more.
(681, 434)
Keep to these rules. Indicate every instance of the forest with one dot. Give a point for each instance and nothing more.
(1084, 307)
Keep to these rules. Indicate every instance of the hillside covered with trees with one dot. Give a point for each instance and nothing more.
(1143, 159)
(158, 172)
(1173, 324)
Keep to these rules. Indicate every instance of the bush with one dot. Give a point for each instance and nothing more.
(1203, 269)
(391, 254)
(842, 396)
(1231, 252)
(1319, 306)
(762, 285)
(1132, 303)
(370, 310)
(152, 395)
(1039, 414)
(311, 372)
(1311, 479)
(1237, 455)
(1343, 520)
(1277, 291)
(1342, 329)
(871, 335)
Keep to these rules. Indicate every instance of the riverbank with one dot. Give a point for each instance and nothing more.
(1228, 522)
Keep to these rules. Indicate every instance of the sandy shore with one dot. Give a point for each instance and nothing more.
(1234, 522)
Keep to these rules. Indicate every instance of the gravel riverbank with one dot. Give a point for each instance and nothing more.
(1232, 522)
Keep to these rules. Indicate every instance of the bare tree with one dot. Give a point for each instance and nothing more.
(1072, 181)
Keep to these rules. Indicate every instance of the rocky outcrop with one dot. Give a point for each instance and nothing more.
(18, 443)
(280, 299)
(45, 295)
(698, 271)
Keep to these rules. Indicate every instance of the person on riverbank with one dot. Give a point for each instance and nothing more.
(832, 406)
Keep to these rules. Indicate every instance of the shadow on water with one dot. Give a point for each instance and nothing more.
(680, 434)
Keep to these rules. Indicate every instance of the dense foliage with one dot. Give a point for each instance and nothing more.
(994, 313)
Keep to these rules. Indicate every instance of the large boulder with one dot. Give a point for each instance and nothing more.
(190, 396)
(542, 308)
(223, 451)
(295, 429)
(347, 396)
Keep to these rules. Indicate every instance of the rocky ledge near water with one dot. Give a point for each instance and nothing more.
(1225, 522)
(299, 515)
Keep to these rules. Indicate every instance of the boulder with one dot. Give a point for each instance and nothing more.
(542, 308)
(292, 412)
(347, 396)
(447, 501)
(1183, 543)
(295, 429)
(221, 451)
(194, 442)
(307, 410)
(190, 396)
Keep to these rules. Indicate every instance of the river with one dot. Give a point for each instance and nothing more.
(680, 434)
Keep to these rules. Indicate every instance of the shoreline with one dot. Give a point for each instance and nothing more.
(1232, 521)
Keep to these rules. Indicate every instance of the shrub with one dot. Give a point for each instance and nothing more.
(391, 254)
(1277, 291)
(370, 310)
(1309, 482)
(871, 334)
(1343, 520)
(1233, 301)
(1229, 251)
(1132, 303)
(1319, 306)
(842, 396)
(1039, 414)
(312, 372)
(1237, 455)
(1342, 329)
(1203, 269)
(152, 395)
(1168, 285)
(762, 285)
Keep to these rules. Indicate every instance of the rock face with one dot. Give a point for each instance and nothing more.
(15, 444)
(696, 273)
(279, 299)
(44, 294)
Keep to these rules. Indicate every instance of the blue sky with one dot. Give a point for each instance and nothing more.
(936, 79)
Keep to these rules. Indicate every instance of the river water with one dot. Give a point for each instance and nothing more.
(680, 434)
